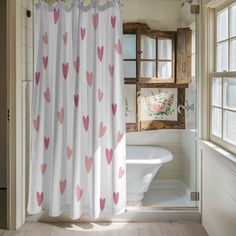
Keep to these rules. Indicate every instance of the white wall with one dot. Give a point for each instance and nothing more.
(3, 95)
(218, 192)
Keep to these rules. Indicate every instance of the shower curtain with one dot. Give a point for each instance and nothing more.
(77, 161)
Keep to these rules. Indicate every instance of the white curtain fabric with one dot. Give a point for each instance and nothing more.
(77, 162)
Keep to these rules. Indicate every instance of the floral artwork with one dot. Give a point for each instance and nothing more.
(130, 103)
(159, 104)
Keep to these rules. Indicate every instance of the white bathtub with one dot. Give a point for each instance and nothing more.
(142, 164)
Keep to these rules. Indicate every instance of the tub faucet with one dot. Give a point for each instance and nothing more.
(186, 107)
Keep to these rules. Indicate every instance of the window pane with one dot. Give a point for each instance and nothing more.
(230, 126)
(230, 93)
(233, 55)
(148, 69)
(164, 70)
(164, 49)
(233, 21)
(148, 47)
(222, 56)
(129, 45)
(217, 92)
(130, 69)
(222, 25)
(216, 121)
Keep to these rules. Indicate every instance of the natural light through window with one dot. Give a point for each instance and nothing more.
(223, 80)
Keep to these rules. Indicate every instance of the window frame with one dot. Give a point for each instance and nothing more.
(221, 141)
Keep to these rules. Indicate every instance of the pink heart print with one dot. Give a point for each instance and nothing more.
(111, 70)
(76, 64)
(95, 20)
(46, 142)
(102, 129)
(79, 193)
(45, 38)
(86, 122)
(121, 172)
(69, 152)
(89, 76)
(36, 123)
(100, 95)
(119, 136)
(65, 69)
(116, 197)
(102, 203)
(60, 115)
(45, 62)
(63, 185)
(109, 154)
(47, 95)
(65, 38)
(114, 108)
(76, 99)
(56, 15)
(113, 21)
(37, 77)
(100, 53)
(82, 33)
(118, 47)
(88, 163)
(39, 198)
(43, 168)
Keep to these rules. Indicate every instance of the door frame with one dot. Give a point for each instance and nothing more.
(15, 176)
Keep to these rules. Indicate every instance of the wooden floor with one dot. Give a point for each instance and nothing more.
(110, 229)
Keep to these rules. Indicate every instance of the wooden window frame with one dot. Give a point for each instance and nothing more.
(139, 29)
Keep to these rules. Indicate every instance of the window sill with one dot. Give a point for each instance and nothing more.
(226, 154)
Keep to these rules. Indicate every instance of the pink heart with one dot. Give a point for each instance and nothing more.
(119, 136)
(36, 123)
(102, 203)
(40, 198)
(45, 62)
(88, 163)
(56, 15)
(114, 108)
(111, 70)
(82, 33)
(46, 142)
(109, 153)
(100, 52)
(79, 192)
(65, 38)
(69, 152)
(43, 168)
(118, 47)
(63, 185)
(95, 20)
(89, 77)
(100, 95)
(60, 115)
(47, 95)
(86, 122)
(76, 64)
(116, 197)
(76, 100)
(102, 130)
(121, 172)
(37, 77)
(45, 38)
(65, 69)
(113, 21)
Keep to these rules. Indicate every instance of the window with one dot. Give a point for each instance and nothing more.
(223, 80)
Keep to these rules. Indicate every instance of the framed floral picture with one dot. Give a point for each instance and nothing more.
(159, 104)
(130, 103)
